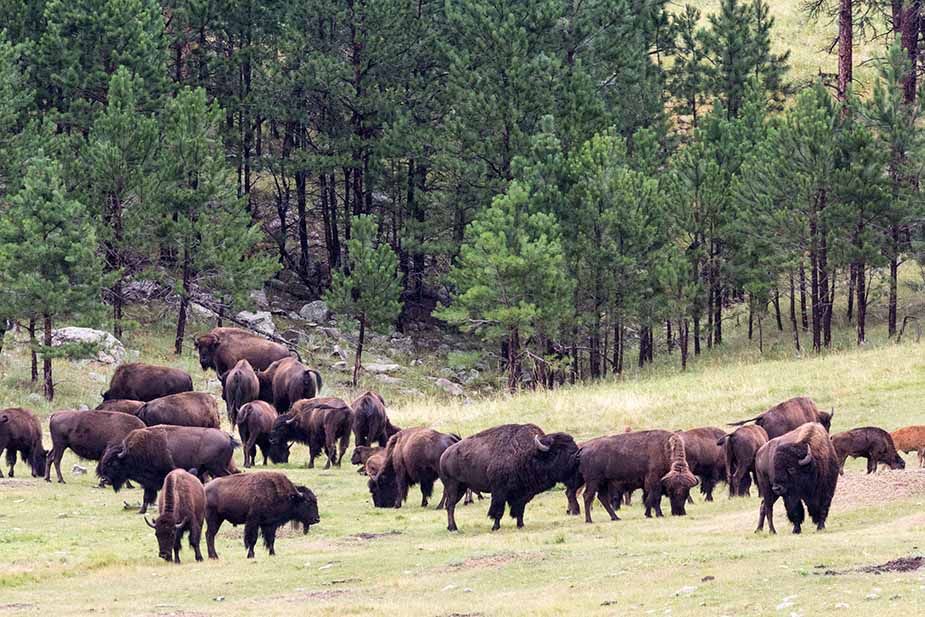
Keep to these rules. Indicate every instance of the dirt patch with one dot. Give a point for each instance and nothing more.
(486, 561)
(860, 489)
(307, 596)
(903, 564)
(365, 536)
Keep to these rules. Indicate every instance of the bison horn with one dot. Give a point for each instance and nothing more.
(539, 444)
(806, 460)
(122, 452)
(290, 420)
(150, 524)
(180, 524)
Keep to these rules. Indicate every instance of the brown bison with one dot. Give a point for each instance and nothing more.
(513, 462)
(87, 433)
(182, 508)
(239, 387)
(370, 422)
(651, 460)
(705, 457)
(802, 467)
(185, 409)
(20, 432)
(412, 457)
(286, 381)
(739, 450)
(874, 444)
(147, 455)
(318, 423)
(122, 405)
(361, 454)
(146, 382)
(374, 463)
(911, 438)
(255, 423)
(790, 414)
(221, 348)
(262, 501)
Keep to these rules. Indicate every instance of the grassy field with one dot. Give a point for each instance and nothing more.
(71, 549)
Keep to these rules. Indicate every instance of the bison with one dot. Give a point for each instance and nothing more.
(146, 382)
(873, 443)
(286, 381)
(654, 461)
(911, 438)
(705, 457)
(255, 423)
(790, 414)
(513, 462)
(147, 455)
(239, 387)
(122, 405)
(182, 508)
(87, 433)
(412, 457)
(318, 423)
(802, 467)
(262, 501)
(20, 432)
(185, 409)
(370, 421)
(739, 449)
(375, 463)
(221, 348)
(361, 454)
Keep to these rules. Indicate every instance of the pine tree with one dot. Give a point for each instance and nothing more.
(16, 97)
(687, 77)
(370, 292)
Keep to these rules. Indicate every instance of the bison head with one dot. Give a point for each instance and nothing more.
(282, 429)
(557, 453)
(114, 466)
(166, 529)
(37, 461)
(207, 345)
(677, 486)
(279, 452)
(825, 419)
(303, 508)
(384, 489)
(793, 468)
(897, 462)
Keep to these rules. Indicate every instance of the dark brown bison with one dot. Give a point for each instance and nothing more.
(370, 421)
(147, 455)
(513, 462)
(182, 508)
(122, 405)
(412, 457)
(286, 381)
(87, 433)
(185, 409)
(255, 423)
(909, 439)
(262, 501)
(739, 450)
(361, 454)
(654, 461)
(221, 349)
(239, 387)
(20, 432)
(318, 423)
(790, 414)
(874, 444)
(146, 382)
(705, 457)
(802, 467)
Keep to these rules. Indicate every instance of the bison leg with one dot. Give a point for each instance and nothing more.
(571, 494)
(10, 460)
(344, 446)
(452, 492)
(591, 488)
(427, 489)
(195, 535)
(652, 496)
(766, 510)
(517, 511)
(607, 501)
(921, 453)
(269, 537)
(54, 457)
(707, 484)
(178, 539)
(149, 496)
(251, 531)
(496, 509)
(871, 465)
(214, 524)
(795, 512)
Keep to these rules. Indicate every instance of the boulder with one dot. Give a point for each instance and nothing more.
(316, 311)
(388, 379)
(259, 298)
(339, 366)
(200, 311)
(137, 292)
(261, 321)
(453, 389)
(109, 349)
(383, 368)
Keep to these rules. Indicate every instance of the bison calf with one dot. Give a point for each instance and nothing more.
(911, 438)
(262, 501)
(182, 508)
(20, 432)
(874, 444)
(361, 454)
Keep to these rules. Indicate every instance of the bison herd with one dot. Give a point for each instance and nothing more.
(152, 429)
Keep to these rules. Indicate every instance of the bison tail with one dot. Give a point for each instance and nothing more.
(741, 422)
(727, 457)
(234, 442)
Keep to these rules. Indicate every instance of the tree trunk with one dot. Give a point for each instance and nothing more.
(669, 340)
(845, 49)
(793, 315)
(852, 281)
(776, 300)
(46, 360)
(335, 232)
(683, 340)
(356, 360)
(861, 288)
(33, 355)
(304, 256)
(513, 361)
(751, 318)
(184, 302)
(804, 320)
(760, 334)
(643, 342)
(815, 297)
(618, 347)
(697, 333)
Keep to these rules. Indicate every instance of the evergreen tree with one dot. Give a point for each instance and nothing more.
(16, 97)
(687, 77)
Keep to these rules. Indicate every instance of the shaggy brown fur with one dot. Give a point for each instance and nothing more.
(288, 381)
(185, 409)
(361, 454)
(239, 387)
(20, 432)
(375, 463)
(182, 506)
(122, 405)
(370, 421)
(790, 414)
(873, 443)
(262, 501)
(739, 449)
(412, 457)
(705, 457)
(221, 349)
(146, 382)
(911, 438)
(320, 423)
(87, 434)
(255, 423)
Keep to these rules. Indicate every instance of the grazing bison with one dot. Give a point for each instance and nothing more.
(146, 382)
(147, 455)
(739, 449)
(651, 460)
(874, 444)
(87, 433)
(318, 423)
(911, 438)
(20, 432)
(802, 467)
(255, 423)
(286, 381)
(790, 414)
(185, 409)
(122, 405)
(239, 387)
(513, 462)
(361, 454)
(182, 506)
(374, 464)
(412, 457)
(262, 501)
(221, 349)
(705, 457)
(370, 421)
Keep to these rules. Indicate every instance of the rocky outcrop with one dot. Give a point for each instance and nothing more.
(109, 350)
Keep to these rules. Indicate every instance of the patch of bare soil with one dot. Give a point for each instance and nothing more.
(306, 596)
(486, 561)
(364, 536)
(903, 564)
(860, 489)
(19, 482)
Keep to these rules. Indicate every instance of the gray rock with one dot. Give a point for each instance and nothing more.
(136, 292)
(77, 470)
(200, 311)
(316, 311)
(388, 379)
(453, 389)
(339, 366)
(259, 298)
(378, 369)
(412, 392)
(261, 321)
(109, 349)
(469, 376)
(331, 332)
(339, 353)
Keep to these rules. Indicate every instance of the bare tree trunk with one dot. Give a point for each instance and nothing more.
(776, 300)
(793, 315)
(184, 302)
(803, 315)
(618, 347)
(357, 359)
(669, 340)
(862, 302)
(33, 355)
(697, 333)
(751, 318)
(852, 282)
(683, 342)
(845, 48)
(46, 360)
(513, 361)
